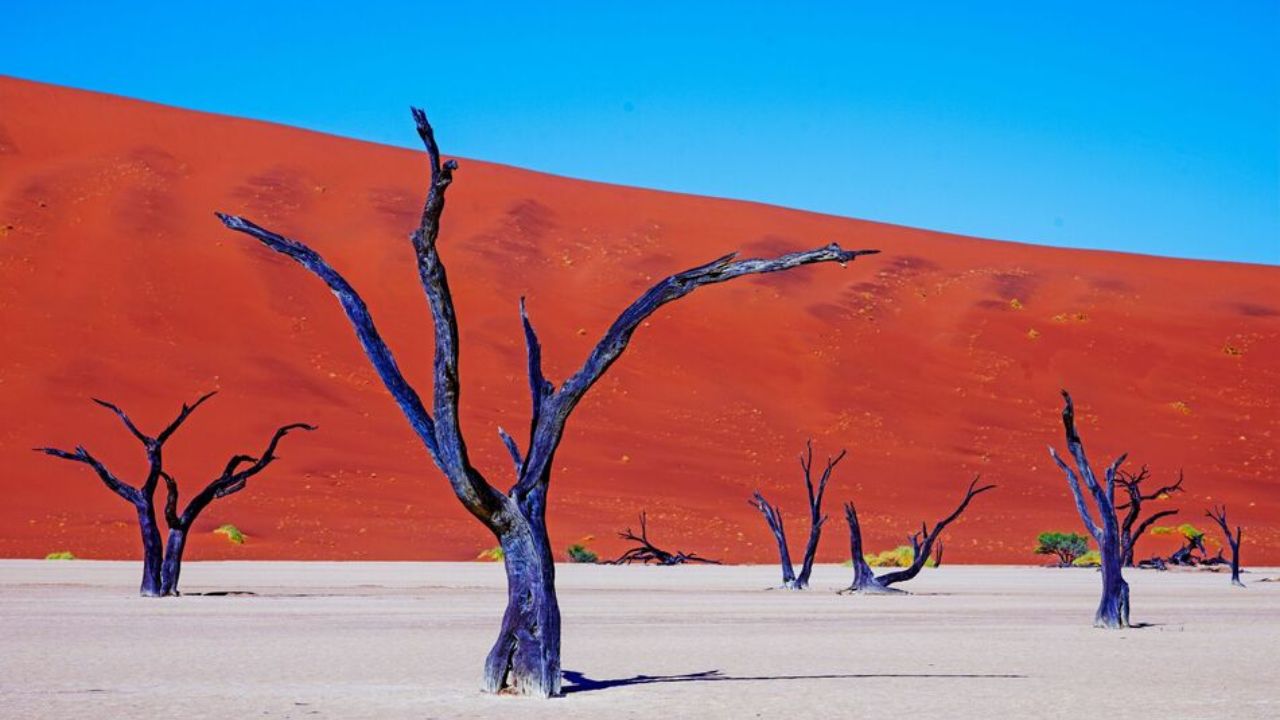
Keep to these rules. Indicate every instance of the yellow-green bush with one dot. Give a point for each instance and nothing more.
(60, 555)
(1089, 559)
(493, 554)
(231, 532)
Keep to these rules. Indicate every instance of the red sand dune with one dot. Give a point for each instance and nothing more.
(936, 360)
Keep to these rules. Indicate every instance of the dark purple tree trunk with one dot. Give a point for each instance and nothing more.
(1219, 516)
(865, 581)
(162, 564)
(773, 518)
(172, 567)
(152, 551)
(1113, 608)
(525, 659)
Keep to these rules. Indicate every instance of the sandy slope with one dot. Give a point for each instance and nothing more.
(936, 360)
(406, 640)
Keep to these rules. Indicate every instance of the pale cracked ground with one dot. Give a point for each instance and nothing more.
(406, 640)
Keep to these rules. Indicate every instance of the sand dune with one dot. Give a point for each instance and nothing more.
(936, 360)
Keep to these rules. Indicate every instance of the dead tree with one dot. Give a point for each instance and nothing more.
(526, 657)
(162, 562)
(646, 552)
(866, 582)
(1113, 609)
(773, 517)
(1219, 515)
(1132, 484)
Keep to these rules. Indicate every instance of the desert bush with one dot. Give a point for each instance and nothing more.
(60, 555)
(579, 553)
(231, 532)
(1089, 559)
(901, 556)
(1067, 546)
(493, 554)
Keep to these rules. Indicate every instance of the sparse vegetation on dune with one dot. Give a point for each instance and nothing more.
(231, 533)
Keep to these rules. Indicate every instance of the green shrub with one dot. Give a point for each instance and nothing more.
(60, 555)
(1089, 559)
(231, 532)
(579, 553)
(1067, 546)
(493, 554)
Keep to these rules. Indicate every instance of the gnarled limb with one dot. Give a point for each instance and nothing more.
(1219, 516)
(1113, 609)
(130, 493)
(866, 581)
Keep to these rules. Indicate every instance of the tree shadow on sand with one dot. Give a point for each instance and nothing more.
(582, 683)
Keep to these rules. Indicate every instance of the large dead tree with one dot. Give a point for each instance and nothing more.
(1219, 516)
(1113, 609)
(866, 582)
(773, 518)
(162, 562)
(645, 552)
(1132, 485)
(526, 657)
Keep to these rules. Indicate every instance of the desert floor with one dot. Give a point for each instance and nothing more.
(406, 640)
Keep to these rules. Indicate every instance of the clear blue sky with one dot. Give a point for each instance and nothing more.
(1146, 127)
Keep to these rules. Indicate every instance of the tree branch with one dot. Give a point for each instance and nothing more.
(182, 417)
(233, 479)
(922, 551)
(124, 418)
(558, 407)
(81, 455)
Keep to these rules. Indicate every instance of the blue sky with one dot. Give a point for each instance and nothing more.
(1144, 127)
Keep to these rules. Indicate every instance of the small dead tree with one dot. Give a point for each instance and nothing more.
(646, 552)
(1132, 484)
(1219, 515)
(1113, 609)
(866, 582)
(773, 517)
(162, 562)
(525, 659)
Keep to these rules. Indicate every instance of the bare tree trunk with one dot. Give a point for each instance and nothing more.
(525, 659)
(1113, 608)
(773, 518)
(864, 578)
(1219, 515)
(172, 567)
(152, 551)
